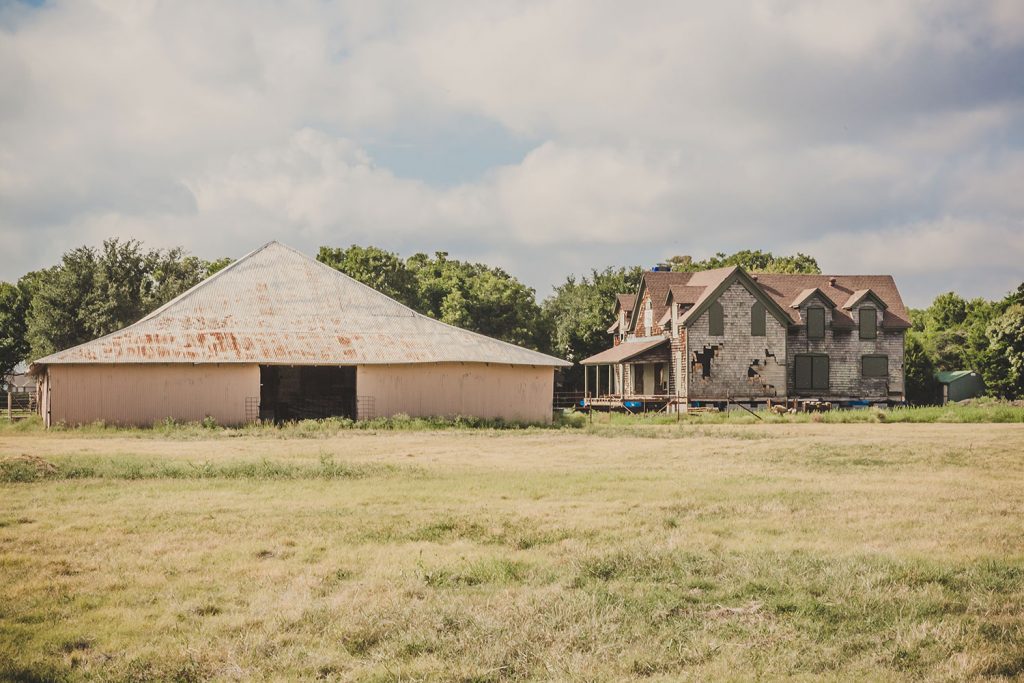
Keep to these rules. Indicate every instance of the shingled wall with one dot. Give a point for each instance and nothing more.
(741, 366)
(845, 348)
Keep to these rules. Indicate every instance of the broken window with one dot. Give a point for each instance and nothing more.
(810, 372)
(702, 361)
(868, 323)
(757, 320)
(816, 323)
(874, 366)
(716, 320)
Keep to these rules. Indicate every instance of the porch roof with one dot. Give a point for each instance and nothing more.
(623, 352)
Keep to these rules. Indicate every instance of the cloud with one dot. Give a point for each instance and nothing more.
(853, 132)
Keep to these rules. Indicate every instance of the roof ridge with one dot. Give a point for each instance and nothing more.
(200, 284)
(413, 311)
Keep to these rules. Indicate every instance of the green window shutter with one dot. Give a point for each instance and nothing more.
(874, 366)
(868, 323)
(716, 320)
(815, 323)
(802, 370)
(819, 372)
(757, 320)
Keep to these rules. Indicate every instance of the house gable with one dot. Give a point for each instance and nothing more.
(735, 274)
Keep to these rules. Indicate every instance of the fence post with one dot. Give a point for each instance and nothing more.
(10, 407)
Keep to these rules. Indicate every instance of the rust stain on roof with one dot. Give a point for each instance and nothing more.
(278, 306)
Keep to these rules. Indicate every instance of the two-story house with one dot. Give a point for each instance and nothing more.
(727, 335)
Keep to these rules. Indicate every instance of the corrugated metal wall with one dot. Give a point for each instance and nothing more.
(145, 394)
(518, 393)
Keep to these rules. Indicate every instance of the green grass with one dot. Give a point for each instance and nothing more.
(21, 469)
(984, 411)
(776, 551)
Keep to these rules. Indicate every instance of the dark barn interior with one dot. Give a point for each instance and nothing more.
(307, 392)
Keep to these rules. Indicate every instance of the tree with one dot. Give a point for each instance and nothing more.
(580, 311)
(479, 298)
(382, 270)
(947, 311)
(94, 292)
(120, 287)
(977, 335)
(472, 296)
(169, 273)
(13, 345)
(60, 297)
(216, 265)
(921, 384)
(1005, 375)
(756, 260)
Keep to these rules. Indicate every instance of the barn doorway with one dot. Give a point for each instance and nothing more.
(307, 392)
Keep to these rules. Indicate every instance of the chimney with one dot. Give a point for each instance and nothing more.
(831, 282)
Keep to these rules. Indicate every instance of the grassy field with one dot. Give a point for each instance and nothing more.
(644, 551)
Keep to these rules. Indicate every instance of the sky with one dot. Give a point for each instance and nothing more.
(547, 138)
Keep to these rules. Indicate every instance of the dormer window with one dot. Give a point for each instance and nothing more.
(868, 323)
(816, 323)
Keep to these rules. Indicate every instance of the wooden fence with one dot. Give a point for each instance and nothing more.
(567, 399)
(20, 405)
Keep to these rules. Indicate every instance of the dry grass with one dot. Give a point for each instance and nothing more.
(805, 551)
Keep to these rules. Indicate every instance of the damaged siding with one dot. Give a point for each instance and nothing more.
(845, 349)
(645, 325)
(735, 364)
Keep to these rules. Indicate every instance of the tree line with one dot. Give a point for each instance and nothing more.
(96, 291)
(958, 334)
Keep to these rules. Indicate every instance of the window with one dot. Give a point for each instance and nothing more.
(874, 366)
(716, 320)
(815, 323)
(868, 323)
(757, 320)
(810, 372)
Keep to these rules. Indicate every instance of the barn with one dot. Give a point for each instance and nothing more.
(278, 336)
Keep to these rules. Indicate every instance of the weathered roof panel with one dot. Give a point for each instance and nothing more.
(277, 306)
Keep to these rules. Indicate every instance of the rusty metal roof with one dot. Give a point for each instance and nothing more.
(277, 306)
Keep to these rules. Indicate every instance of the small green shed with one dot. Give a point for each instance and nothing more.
(960, 384)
